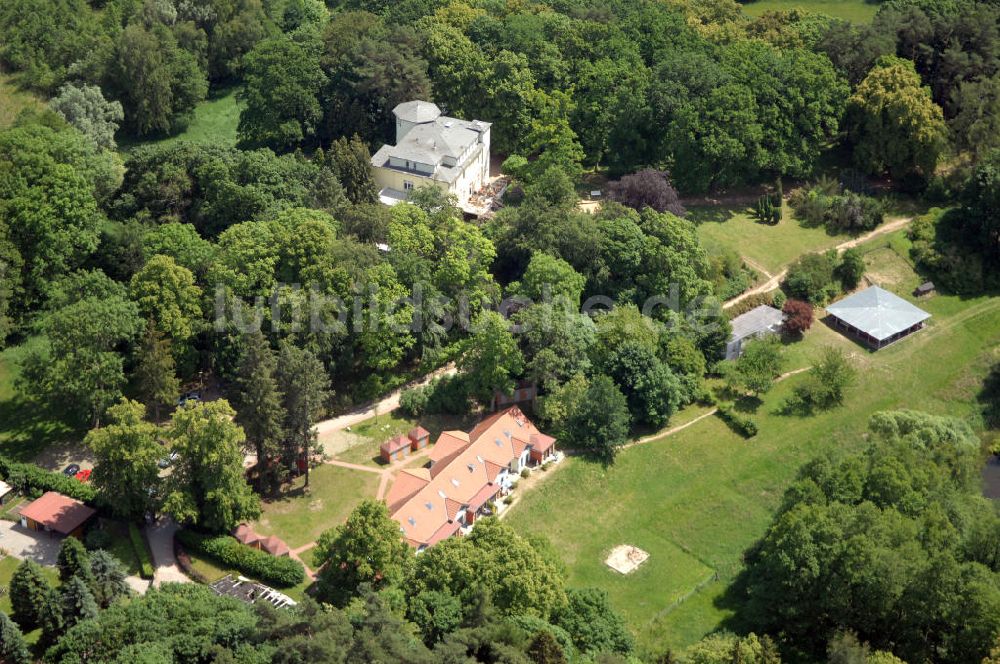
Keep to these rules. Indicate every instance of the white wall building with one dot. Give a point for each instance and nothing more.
(432, 149)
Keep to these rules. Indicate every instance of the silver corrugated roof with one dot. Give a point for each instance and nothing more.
(877, 312)
(755, 321)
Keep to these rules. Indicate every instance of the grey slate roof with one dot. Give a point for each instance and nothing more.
(755, 321)
(877, 312)
(417, 111)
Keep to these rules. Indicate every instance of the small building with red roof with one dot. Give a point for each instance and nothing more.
(56, 513)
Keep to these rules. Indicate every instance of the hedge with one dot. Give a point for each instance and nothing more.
(31, 480)
(146, 570)
(745, 426)
(260, 565)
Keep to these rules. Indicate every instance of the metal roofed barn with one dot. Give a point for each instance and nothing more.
(877, 317)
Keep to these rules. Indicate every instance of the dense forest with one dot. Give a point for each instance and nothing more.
(269, 271)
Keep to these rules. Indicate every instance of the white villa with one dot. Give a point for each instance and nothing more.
(433, 149)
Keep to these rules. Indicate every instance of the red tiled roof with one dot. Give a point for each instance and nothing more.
(58, 512)
(409, 481)
(485, 494)
(452, 507)
(541, 442)
(444, 532)
(275, 546)
(492, 470)
(395, 444)
(245, 534)
(418, 432)
(480, 428)
(519, 445)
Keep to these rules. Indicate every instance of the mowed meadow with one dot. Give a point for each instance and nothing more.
(697, 499)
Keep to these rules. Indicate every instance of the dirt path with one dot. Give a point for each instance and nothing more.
(387, 404)
(775, 280)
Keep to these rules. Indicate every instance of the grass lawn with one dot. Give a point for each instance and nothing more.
(698, 499)
(857, 11)
(299, 518)
(13, 100)
(773, 247)
(25, 428)
(215, 121)
(361, 444)
(120, 544)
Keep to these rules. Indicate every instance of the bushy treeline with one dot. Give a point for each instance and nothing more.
(698, 88)
(894, 543)
(283, 572)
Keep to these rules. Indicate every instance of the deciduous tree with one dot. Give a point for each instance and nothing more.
(366, 549)
(126, 452)
(207, 486)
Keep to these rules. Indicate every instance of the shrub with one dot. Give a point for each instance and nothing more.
(778, 302)
(646, 188)
(825, 385)
(851, 269)
(748, 303)
(413, 401)
(525, 473)
(798, 316)
(29, 479)
(97, 538)
(146, 569)
(851, 212)
(768, 209)
(811, 278)
(260, 565)
(741, 424)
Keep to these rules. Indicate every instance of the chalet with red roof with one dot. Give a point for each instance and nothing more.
(467, 471)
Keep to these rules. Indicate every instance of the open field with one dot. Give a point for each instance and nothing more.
(773, 247)
(697, 500)
(13, 100)
(857, 11)
(299, 518)
(215, 121)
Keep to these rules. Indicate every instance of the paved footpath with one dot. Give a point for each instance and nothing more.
(160, 536)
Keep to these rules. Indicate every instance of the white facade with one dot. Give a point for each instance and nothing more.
(433, 150)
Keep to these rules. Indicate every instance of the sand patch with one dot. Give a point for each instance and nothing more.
(626, 558)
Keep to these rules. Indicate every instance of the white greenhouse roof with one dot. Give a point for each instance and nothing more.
(877, 312)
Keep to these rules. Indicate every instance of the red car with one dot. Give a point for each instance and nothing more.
(83, 476)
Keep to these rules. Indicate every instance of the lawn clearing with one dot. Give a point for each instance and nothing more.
(696, 500)
(361, 444)
(773, 247)
(25, 427)
(856, 11)
(299, 518)
(13, 100)
(214, 122)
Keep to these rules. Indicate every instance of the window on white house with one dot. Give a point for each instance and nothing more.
(407, 185)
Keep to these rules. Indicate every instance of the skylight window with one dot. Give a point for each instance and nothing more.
(497, 441)
(442, 494)
(454, 481)
(412, 521)
(429, 506)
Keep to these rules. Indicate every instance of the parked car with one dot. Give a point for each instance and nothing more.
(166, 461)
(193, 397)
(71, 470)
